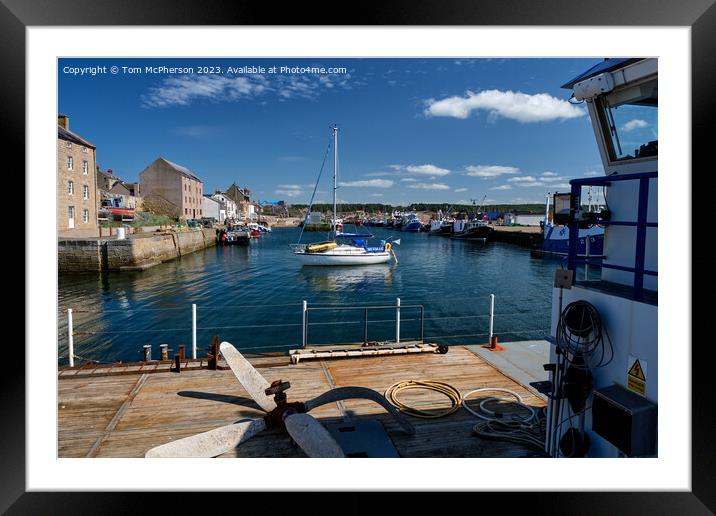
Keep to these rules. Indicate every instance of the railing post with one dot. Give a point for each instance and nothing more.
(70, 339)
(586, 258)
(193, 330)
(305, 320)
(365, 326)
(492, 316)
(397, 320)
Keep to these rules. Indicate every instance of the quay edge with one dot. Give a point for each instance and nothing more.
(139, 252)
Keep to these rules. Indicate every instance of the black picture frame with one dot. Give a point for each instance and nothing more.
(699, 15)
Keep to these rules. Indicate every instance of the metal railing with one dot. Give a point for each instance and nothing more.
(641, 225)
(365, 309)
(461, 324)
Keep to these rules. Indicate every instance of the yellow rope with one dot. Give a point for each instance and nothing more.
(391, 394)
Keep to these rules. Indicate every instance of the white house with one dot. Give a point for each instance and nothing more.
(229, 206)
(213, 208)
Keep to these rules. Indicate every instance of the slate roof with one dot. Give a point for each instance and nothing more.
(185, 171)
(65, 134)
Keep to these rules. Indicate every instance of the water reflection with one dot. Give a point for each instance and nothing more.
(333, 279)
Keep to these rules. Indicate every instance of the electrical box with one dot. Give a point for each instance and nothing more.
(563, 209)
(563, 278)
(625, 419)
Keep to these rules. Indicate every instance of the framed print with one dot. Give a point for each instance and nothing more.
(264, 214)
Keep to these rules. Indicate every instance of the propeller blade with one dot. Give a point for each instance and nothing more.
(312, 437)
(346, 393)
(250, 378)
(211, 443)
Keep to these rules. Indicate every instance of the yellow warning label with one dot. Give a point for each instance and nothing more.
(637, 372)
(636, 385)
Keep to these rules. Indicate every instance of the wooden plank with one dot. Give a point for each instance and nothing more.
(111, 416)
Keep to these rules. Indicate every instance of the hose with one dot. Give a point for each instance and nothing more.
(391, 394)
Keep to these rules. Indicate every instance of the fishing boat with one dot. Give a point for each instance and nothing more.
(555, 239)
(441, 225)
(473, 229)
(343, 248)
(412, 223)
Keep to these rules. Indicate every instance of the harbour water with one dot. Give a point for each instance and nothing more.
(252, 296)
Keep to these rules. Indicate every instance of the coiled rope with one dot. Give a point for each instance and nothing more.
(391, 394)
(508, 426)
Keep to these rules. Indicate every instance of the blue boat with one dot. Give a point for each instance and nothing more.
(412, 223)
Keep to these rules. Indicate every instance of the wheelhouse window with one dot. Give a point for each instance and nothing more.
(629, 121)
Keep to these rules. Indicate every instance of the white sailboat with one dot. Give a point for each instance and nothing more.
(344, 249)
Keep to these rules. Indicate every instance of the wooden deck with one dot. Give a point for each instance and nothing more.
(123, 415)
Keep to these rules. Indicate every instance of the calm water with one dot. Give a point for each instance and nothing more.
(251, 296)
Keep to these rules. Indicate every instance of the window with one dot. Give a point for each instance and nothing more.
(629, 121)
(70, 187)
(69, 163)
(85, 216)
(85, 167)
(185, 187)
(199, 211)
(68, 145)
(185, 201)
(84, 149)
(186, 211)
(85, 192)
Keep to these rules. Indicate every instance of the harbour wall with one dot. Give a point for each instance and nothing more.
(137, 253)
(527, 236)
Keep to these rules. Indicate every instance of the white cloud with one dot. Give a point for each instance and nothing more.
(290, 187)
(379, 174)
(408, 180)
(370, 183)
(289, 192)
(490, 170)
(635, 124)
(427, 169)
(530, 179)
(592, 173)
(522, 107)
(461, 189)
(377, 195)
(429, 186)
(185, 89)
(501, 187)
(549, 174)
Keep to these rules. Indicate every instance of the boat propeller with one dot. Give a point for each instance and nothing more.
(293, 417)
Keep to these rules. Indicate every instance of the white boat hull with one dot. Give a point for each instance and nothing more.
(343, 258)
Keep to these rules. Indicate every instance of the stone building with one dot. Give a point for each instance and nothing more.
(174, 185)
(242, 198)
(112, 191)
(76, 179)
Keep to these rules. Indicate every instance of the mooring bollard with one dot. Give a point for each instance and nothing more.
(213, 354)
(181, 352)
(164, 351)
(177, 363)
(147, 352)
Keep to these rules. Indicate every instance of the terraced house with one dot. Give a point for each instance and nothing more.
(76, 179)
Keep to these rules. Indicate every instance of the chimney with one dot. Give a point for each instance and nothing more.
(64, 121)
(109, 171)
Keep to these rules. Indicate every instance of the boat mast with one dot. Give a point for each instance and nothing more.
(335, 174)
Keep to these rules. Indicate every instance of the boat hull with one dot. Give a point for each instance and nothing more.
(328, 258)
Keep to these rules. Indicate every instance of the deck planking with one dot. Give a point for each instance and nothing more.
(124, 415)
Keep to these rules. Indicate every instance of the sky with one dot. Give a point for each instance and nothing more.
(410, 130)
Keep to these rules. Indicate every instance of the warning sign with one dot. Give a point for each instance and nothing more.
(636, 375)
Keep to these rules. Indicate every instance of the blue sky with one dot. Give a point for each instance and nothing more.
(411, 130)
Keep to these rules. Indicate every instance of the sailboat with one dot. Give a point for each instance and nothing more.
(343, 248)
